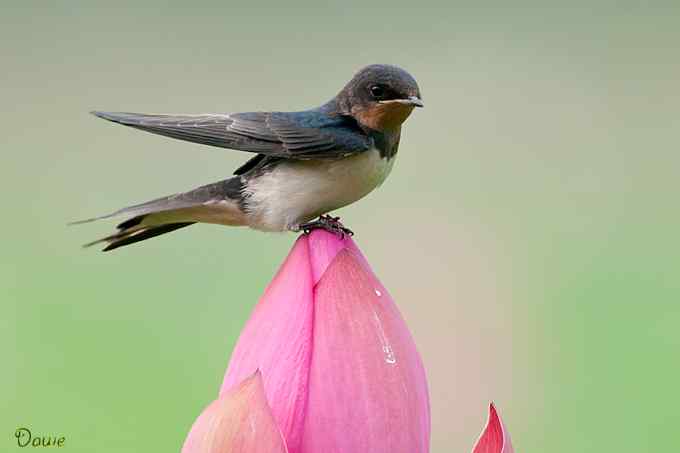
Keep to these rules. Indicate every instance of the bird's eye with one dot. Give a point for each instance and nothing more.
(377, 91)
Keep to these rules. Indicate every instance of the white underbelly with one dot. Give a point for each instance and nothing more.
(298, 191)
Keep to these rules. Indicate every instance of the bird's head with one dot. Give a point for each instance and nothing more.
(380, 97)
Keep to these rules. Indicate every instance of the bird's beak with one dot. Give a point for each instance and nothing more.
(416, 101)
(411, 100)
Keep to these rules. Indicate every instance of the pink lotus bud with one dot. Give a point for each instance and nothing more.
(239, 421)
(494, 437)
(340, 370)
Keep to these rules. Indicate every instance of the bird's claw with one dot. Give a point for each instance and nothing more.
(328, 223)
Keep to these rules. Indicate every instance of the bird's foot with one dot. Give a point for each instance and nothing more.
(328, 223)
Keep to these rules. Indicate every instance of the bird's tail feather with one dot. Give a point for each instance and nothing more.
(214, 203)
(132, 235)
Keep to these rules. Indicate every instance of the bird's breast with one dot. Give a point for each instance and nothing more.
(297, 191)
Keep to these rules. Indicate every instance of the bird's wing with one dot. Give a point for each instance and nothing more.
(295, 135)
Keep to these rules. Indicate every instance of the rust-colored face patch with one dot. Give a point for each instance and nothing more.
(383, 116)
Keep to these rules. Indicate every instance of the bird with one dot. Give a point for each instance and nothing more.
(305, 164)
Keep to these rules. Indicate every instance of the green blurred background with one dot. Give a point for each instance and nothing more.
(529, 231)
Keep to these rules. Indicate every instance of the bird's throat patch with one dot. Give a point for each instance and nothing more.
(383, 117)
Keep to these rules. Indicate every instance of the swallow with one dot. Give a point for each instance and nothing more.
(306, 163)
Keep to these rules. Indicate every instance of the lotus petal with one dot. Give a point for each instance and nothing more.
(277, 340)
(239, 421)
(367, 385)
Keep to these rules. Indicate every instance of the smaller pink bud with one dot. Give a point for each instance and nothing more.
(494, 437)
